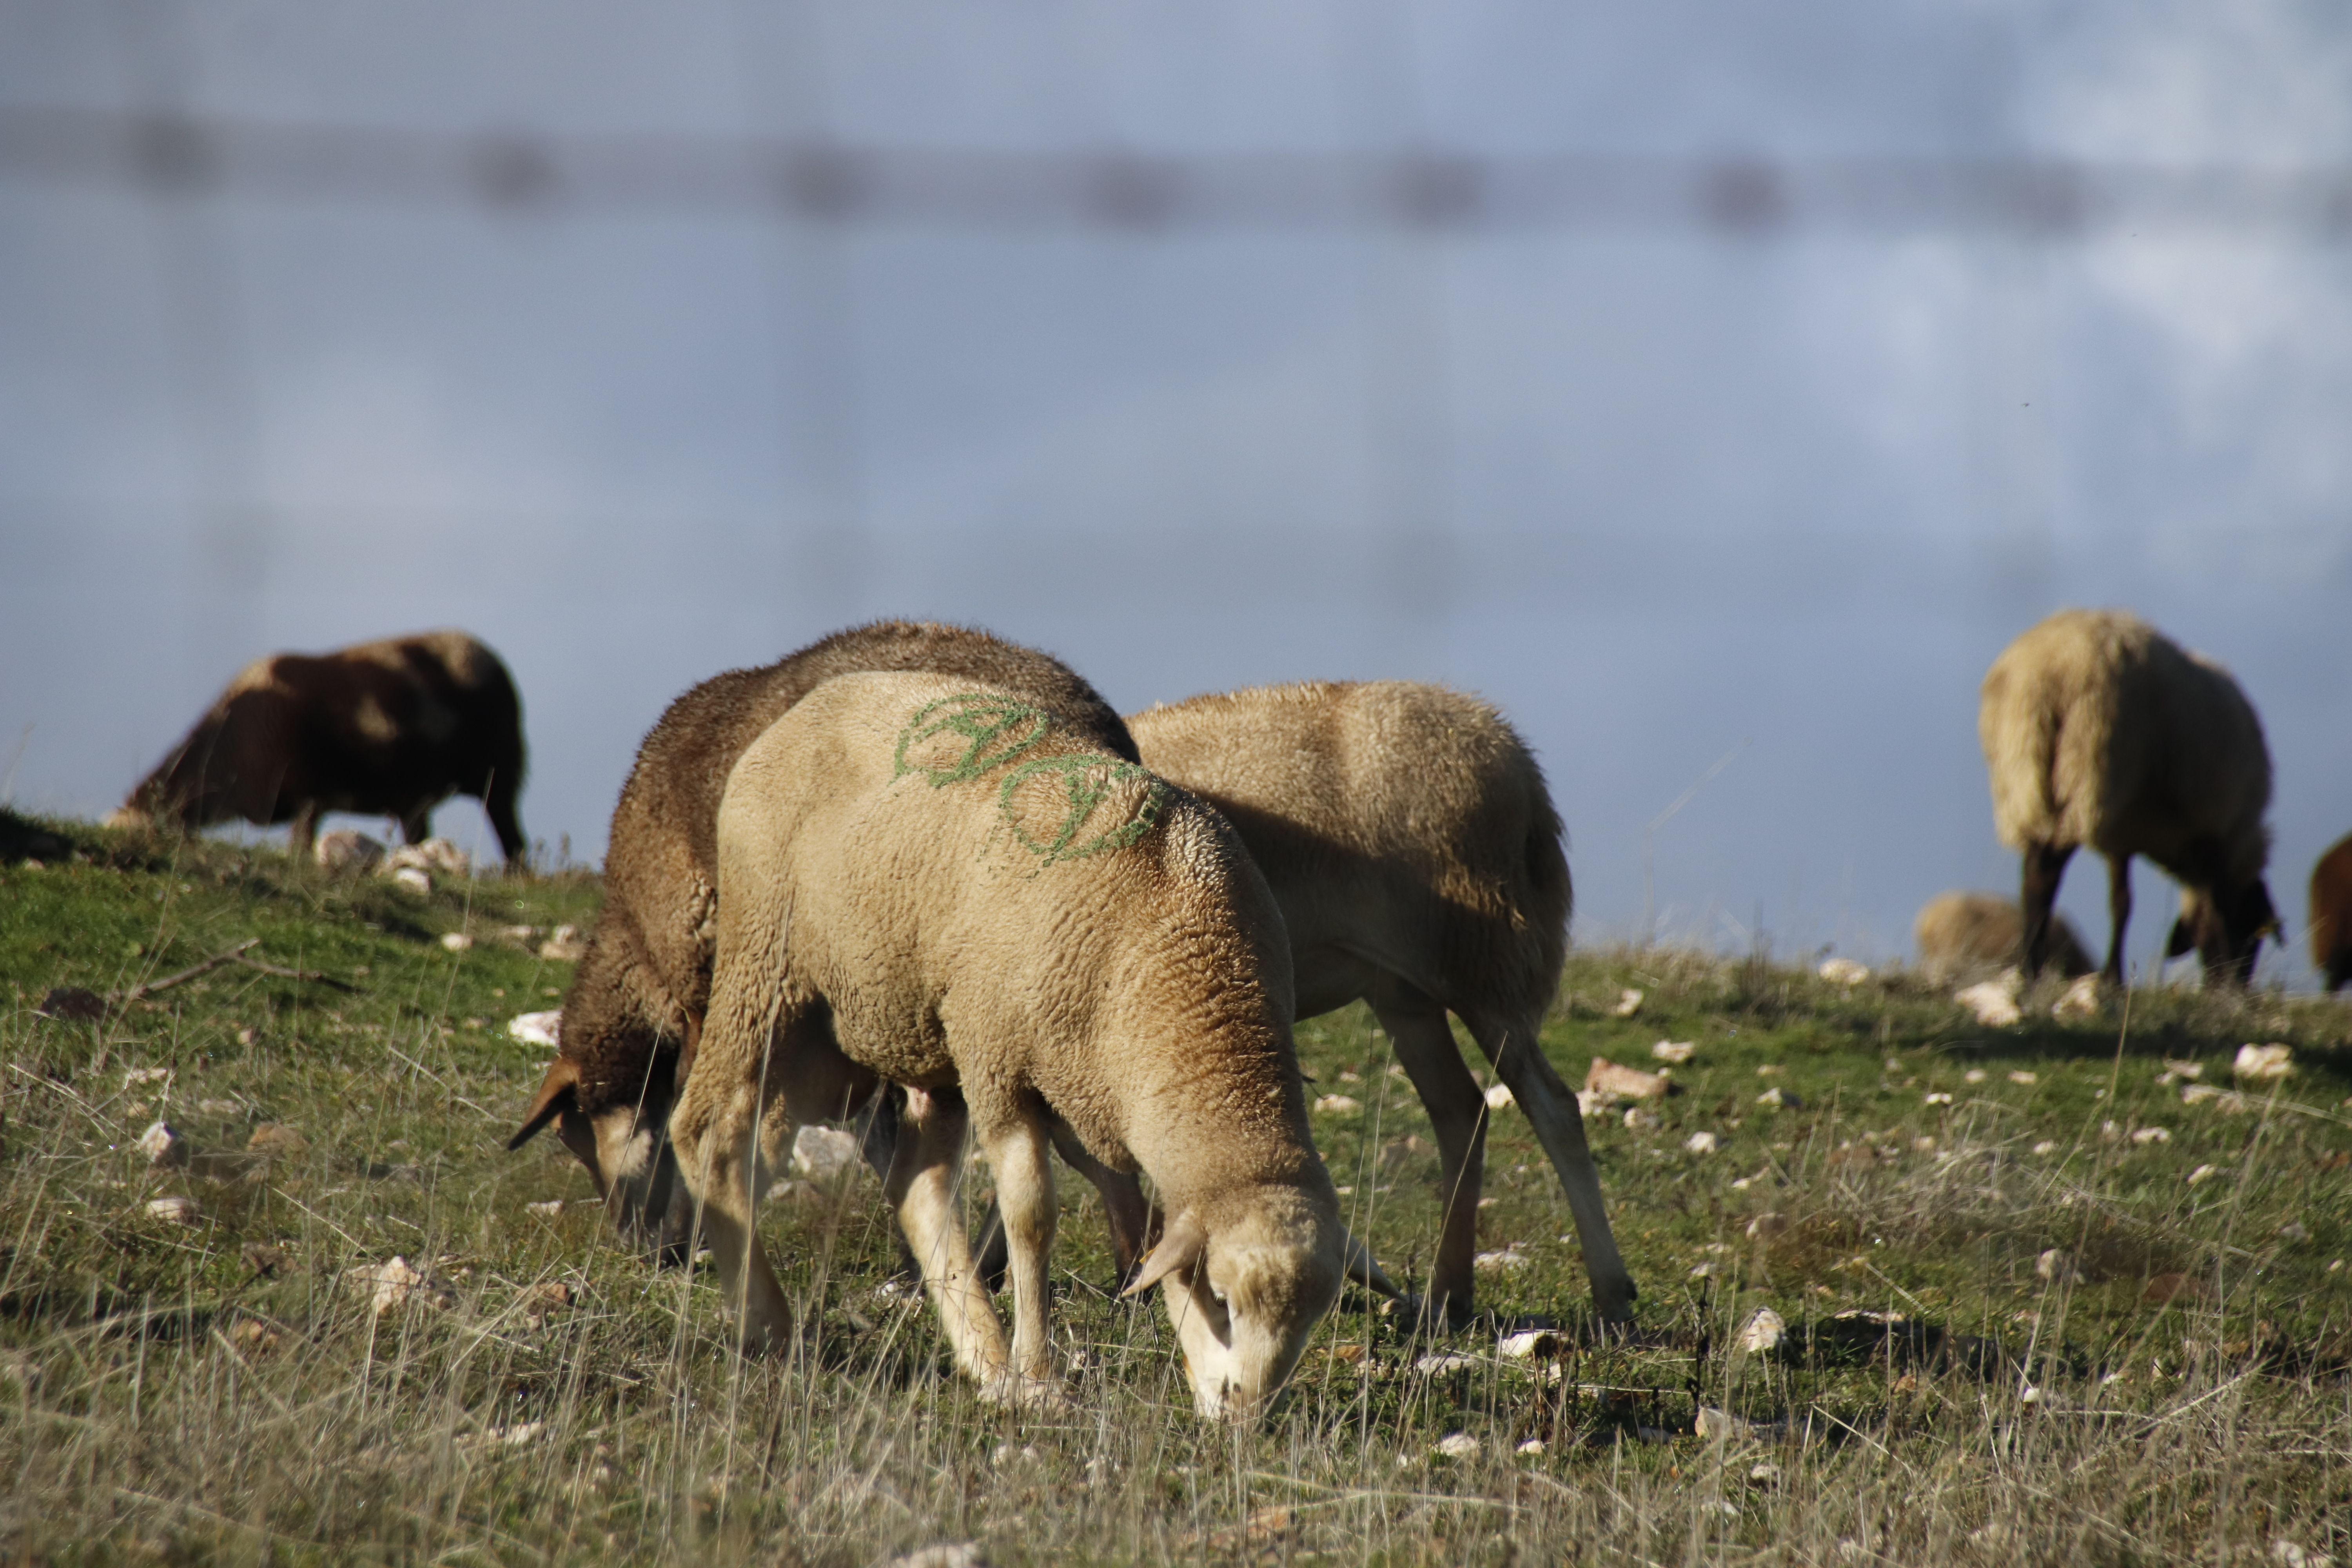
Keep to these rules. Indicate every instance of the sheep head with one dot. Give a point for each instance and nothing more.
(1244, 1294)
(2225, 925)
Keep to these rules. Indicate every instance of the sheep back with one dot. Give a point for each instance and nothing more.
(2099, 730)
(1393, 814)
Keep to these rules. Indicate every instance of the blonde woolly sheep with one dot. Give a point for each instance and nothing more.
(1408, 834)
(2099, 730)
(1969, 936)
(922, 881)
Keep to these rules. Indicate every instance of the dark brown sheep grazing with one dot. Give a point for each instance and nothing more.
(390, 727)
(633, 1015)
(2331, 914)
(2100, 730)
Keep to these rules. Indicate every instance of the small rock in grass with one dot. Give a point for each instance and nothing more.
(2047, 1146)
(1700, 1143)
(1772, 1096)
(175, 1210)
(1457, 1446)
(1763, 1331)
(2290, 1553)
(1508, 1257)
(456, 940)
(1844, 972)
(1629, 1002)
(1923, 1145)
(2147, 1135)
(2021, 1076)
(955, 1555)
(1443, 1361)
(1994, 1002)
(2294, 1230)
(564, 945)
(1939, 1098)
(1673, 1053)
(1640, 1120)
(1337, 1105)
(1702, 1271)
(822, 1153)
(2057, 1267)
(347, 850)
(537, 1028)
(164, 1146)
(1529, 1342)
(1974, 1075)
(2201, 1173)
(548, 1209)
(2264, 1064)
(1500, 1097)
(433, 855)
(1532, 1447)
(1606, 1078)
(2082, 1000)
(388, 1285)
(1763, 1473)
(413, 880)
(2173, 1069)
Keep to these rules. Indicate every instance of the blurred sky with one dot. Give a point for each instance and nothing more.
(1665, 495)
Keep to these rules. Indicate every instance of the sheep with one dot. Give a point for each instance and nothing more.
(1411, 844)
(2331, 914)
(2099, 730)
(924, 881)
(1971, 935)
(394, 727)
(633, 1016)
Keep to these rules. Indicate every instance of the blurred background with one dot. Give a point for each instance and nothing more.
(1715, 388)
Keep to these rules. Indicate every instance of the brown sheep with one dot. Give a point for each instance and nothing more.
(2331, 914)
(1970, 935)
(2099, 730)
(633, 1016)
(390, 727)
(926, 882)
(1408, 835)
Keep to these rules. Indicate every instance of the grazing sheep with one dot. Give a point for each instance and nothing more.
(393, 728)
(926, 882)
(2331, 914)
(633, 1013)
(1408, 835)
(1964, 936)
(2099, 730)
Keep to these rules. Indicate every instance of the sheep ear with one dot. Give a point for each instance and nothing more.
(557, 1093)
(1181, 1246)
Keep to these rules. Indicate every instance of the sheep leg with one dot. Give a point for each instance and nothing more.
(1558, 1122)
(302, 834)
(1021, 1156)
(1417, 1029)
(498, 803)
(2119, 913)
(2045, 864)
(921, 1190)
(1134, 1224)
(718, 1149)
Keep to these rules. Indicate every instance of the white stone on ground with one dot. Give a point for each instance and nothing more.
(537, 1028)
(821, 1153)
(1673, 1053)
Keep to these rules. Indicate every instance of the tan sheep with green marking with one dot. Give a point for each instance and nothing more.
(1020, 928)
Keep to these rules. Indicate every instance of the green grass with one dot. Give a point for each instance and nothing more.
(219, 1390)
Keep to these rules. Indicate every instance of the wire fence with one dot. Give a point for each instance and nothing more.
(1430, 190)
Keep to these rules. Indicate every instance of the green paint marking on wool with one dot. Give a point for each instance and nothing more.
(1086, 781)
(998, 728)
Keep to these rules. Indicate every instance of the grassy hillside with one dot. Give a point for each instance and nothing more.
(2169, 1385)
